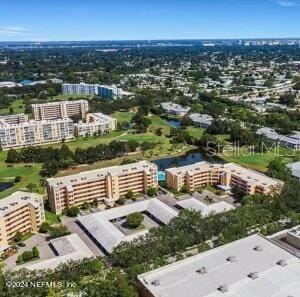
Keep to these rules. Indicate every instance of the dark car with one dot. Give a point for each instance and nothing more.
(22, 244)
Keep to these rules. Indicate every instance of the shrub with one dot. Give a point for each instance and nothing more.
(35, 252)
(18, 236)
(129, 195)
(20, 259)
(134, 220)
(58, 231)
(73, 211)
(85, 205)
(44, 228)
(152, 192)
(27, 255)
(121, 201)
(18, 178)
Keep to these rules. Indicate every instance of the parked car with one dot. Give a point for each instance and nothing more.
(21, 244)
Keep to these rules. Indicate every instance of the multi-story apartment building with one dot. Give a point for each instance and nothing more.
(95, 123)
(225, 176)
(110, 92)
(59, 110)
(104, 185)
(21, 211)
(33, 132)
(14, 118)
(80, 89)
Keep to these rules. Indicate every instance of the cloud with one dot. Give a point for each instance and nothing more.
(13, 30)
(287, 3)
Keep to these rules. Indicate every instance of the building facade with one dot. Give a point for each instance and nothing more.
(21, 211)
(59, 110)
(95, 123)
(176, 109)
(33, 133)
(103, 185)
(225, 176)
(110, 92)
(80, 89)
(14, 118)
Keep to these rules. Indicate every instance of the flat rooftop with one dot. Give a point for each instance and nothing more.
(100, 173)
(250, 175)
(18, 199)
(249, 267)
(205, 209)
(67, 248)
(107, 235)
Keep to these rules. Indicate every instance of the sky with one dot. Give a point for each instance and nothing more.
(57, 20)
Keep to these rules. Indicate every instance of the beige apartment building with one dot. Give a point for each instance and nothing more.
(104, 185)
(95, 123)
(14, 118)
(60, 109)
(225, 176)
(33, 133)
(22, 212)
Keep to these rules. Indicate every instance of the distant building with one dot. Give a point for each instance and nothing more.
(95, 123)
(104, 185)
(59, 109)
(253, 266)
(225, 176)
(201, 120)
(21, 211)
(8, 84)
(110, 92)
(33, 133)
(295, 169)
(291, 141)
(174, 108)
(80, 89)
(14, 118)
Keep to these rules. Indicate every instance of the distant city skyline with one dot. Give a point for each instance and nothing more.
(67, 20)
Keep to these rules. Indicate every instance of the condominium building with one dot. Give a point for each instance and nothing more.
(59, 110)
(225, 176)
(104, 185)
(95, 123)
(110, 92)
(80, 89)
(14, 118)
(201, 120)
(21, 211)
(33, 132)
(174, 108)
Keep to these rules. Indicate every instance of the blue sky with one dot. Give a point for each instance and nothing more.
(45, 20)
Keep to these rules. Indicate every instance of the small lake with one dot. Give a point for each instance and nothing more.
(174, 123)
(5, 185)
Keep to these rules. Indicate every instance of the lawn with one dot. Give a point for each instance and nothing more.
(18, 107)
(196, 132)
(51, 217)
(123, 116)
(63, 97)
(256, 161)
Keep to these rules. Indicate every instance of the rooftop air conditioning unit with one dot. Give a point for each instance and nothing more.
(155, 282)
(231, 259)
(253, 275)
(258, 248)
(202, 270)
(282, 262)
(223, 288)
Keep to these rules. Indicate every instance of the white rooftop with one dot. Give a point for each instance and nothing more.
(230, 265)
(205, 209)
(17, 200)
(68, 248)
(295, 231)
(108, 236)
(295, 169)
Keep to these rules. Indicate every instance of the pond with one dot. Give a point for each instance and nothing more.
(173, 123)
(5, 185)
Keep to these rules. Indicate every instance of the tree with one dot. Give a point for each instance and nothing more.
(277, 168)
(13, 156)
(11, 110)
(134, 220)
(18, 178)
(121, 201)
(20, 260)
(58, 231)
(18, 236)
(27, 255)
(158, 132)
(151, 192)
(129, 195)
(32, 187)
(35, 252)
(44, 228)
(73, 211)
(85, 205)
